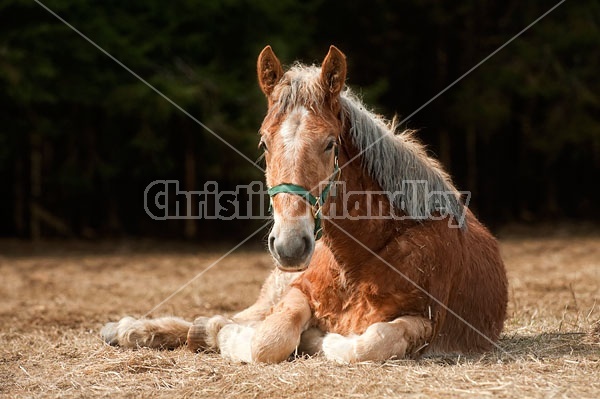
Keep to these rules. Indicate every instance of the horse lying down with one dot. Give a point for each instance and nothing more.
(377, 256)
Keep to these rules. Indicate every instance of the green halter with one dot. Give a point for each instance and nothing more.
(315, 202)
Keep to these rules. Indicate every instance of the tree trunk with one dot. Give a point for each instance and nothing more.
(20, 201)
(190, 182)
(471, 145)
(442, 77)
(35, 156)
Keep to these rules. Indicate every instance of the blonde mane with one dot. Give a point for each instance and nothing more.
(397, 161)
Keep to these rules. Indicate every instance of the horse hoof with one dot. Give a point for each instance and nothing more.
(196, 338)
(110, 331)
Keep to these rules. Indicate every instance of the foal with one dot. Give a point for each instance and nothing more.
(402, 267)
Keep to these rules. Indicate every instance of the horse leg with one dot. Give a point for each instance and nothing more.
(172, 332)
(381, 341)
(272, 291)
(161, 333)
(311, 342)
(203, 334)
(164, 332)
(272, 340)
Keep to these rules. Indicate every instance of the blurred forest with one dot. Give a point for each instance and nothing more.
(81, 137)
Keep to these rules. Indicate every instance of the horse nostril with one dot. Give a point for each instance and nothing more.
(307, 245)
(271, 243)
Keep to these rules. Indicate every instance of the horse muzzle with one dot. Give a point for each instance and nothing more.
(292, 251)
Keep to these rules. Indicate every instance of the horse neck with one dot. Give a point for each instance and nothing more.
(373, 232)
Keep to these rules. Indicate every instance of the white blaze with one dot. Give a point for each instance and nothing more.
(291, 133)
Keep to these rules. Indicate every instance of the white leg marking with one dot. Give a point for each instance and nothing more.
(340, 349)
(112, 332)
(235, 342)
(380, 341)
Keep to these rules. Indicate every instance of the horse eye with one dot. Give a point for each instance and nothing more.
(330, 145)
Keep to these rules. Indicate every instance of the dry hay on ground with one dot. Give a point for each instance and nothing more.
(56, 296)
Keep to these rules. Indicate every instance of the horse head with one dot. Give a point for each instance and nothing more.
(300, 137)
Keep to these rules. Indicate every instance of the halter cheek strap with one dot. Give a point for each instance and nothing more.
(316, 203)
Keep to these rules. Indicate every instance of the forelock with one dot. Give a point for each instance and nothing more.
(300, 86)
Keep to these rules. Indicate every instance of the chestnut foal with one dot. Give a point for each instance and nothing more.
(393, 266)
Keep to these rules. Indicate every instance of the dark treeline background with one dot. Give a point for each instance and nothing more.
(81, 138)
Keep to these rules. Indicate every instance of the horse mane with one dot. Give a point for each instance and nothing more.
(390, 157)
(394, 160)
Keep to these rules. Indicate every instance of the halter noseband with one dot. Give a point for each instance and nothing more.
(315, 202)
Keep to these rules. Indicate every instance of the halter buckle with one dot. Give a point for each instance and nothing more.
(317, 208)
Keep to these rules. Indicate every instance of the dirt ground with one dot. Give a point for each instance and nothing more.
(55, 296)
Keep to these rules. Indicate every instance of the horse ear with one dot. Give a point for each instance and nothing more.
(333, 71)
(269, 70)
